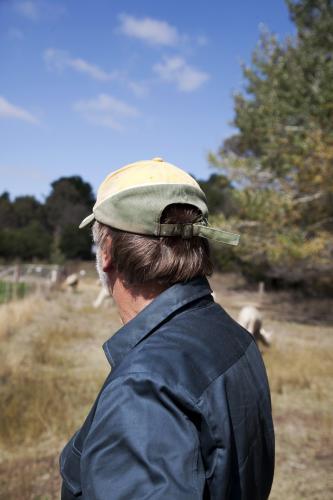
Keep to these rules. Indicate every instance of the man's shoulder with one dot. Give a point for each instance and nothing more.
(190, 350)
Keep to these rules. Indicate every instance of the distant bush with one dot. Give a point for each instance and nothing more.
(31, 230)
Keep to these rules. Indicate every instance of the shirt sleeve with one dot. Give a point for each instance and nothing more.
(140, 445)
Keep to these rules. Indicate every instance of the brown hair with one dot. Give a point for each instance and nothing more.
(164, 260)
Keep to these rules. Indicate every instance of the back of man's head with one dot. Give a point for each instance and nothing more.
(165, 260)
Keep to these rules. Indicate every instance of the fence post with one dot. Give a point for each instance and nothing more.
(16, 280)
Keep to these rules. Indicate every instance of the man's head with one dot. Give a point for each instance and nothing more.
(151, 226)
(141, 259)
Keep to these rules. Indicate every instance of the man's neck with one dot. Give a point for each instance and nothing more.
(131, 301)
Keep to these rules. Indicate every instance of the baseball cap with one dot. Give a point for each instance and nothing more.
(133, 198)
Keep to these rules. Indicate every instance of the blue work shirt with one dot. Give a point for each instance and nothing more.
(184, 414)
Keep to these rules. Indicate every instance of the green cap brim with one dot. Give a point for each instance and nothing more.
(87, 220)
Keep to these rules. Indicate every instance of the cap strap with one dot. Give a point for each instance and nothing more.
(189, 230)
(184, 230)
(218, 235)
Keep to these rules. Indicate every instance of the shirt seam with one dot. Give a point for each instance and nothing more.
(151, 377)
(224, 372)
(194, 401)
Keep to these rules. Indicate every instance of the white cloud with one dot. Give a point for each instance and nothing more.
(152, 31)
(15, 34)
(35, 10)
(176, 70)
(202, 40)
(58, 60)
(8, 110)
(156, 32)
(106, 110)
(139, 89)
(28, 9)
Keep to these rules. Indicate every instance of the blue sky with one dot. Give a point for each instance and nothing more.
(88, 86)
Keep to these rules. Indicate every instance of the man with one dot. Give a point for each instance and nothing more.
(185, 413)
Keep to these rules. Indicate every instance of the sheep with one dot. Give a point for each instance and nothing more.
(72, 281)
(251, 319)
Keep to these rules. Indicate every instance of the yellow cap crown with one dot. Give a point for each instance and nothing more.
(142, 173)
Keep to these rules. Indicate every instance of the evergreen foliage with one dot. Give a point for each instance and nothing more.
(281, 157)
(31, 230)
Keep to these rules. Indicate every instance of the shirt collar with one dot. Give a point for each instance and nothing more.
(165, 304)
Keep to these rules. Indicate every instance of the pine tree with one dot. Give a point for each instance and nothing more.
(282, 155)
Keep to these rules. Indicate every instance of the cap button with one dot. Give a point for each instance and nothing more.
(157, 159)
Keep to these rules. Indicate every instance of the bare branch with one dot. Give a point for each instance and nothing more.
(308, 198)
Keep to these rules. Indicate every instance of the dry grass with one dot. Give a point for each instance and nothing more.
(38, 397)
(53, 366)
(40, 387)
(17, 314)
(300, 370)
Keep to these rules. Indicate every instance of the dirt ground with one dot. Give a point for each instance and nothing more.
(53, 364)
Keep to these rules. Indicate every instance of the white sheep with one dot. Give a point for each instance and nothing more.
(251, 319)
(72, 281)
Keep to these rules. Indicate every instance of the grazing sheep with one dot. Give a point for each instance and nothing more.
(72, 281)
(251, 319)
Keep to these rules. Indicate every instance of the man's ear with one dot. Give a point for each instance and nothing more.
(106, 255)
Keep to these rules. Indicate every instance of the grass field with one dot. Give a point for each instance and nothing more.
(9, 291)
(53, 364)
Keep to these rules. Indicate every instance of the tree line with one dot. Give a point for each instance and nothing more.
(31, 229)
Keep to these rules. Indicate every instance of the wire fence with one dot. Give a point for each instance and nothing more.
(19, 280)
(13, 291)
